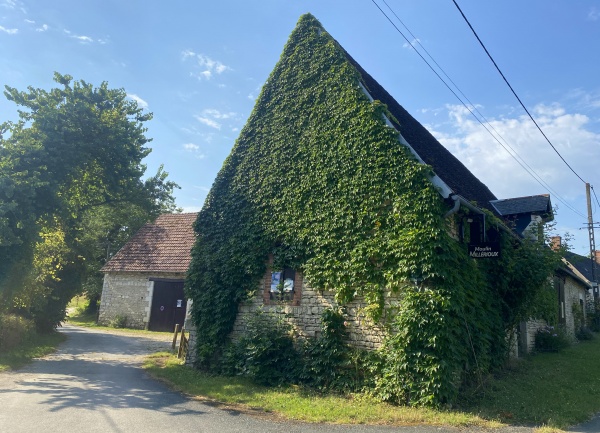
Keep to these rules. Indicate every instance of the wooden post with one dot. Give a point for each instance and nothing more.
(175, 336)
(182, 344)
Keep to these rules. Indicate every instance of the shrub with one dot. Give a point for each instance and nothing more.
(551, 339)
(119, 321)
(14, 330)
(265, 353)
(329, 362)
(584, 333)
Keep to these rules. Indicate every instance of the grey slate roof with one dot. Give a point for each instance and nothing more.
(536, 204)
(582, 264)
(432, 152)
(162, 246)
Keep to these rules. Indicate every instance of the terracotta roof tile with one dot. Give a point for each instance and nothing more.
(161, 246)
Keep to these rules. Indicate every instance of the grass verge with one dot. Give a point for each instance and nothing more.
(297, 403)
(551, 390)
(37, 346)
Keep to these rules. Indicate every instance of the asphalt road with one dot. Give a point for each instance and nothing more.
(94, 383)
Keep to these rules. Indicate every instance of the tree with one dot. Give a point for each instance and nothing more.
(70, 169)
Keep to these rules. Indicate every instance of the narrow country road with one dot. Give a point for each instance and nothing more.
(94, 383)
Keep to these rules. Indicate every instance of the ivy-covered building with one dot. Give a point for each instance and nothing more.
(335, 197)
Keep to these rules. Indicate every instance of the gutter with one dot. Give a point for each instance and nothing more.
(458, 200)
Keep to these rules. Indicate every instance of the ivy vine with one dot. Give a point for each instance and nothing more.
(318, 180)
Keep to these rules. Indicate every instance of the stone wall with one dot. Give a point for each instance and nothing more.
(129, 295)
(575, 295)
(305, 310)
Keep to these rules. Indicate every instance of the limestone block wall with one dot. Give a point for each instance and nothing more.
(188, 325)
(128, 294)
(528, 331)
(305, 315)
(575, 295)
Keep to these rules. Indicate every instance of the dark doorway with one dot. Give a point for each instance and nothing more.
(168, 305)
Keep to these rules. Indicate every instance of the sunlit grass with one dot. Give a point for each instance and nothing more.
(36, 347)
(79, 316)
(555, 390)
(297, 403)
(551, 391)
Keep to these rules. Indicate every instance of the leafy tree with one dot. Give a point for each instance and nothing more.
(70, 179)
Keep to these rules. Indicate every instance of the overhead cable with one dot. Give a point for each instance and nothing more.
(471, 107)
(513, 91)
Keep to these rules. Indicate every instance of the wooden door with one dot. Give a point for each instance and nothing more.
(168, 305)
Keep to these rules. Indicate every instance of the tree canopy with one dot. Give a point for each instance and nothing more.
(71, 189)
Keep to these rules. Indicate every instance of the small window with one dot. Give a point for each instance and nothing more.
(282, 285)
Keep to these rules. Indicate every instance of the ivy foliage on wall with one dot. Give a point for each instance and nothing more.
(317, 179)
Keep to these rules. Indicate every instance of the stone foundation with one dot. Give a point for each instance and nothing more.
(129, 295)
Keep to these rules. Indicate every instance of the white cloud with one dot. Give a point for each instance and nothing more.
(81, 38)
(13, 4)
(216, 114)
(29, 21)
(9, 31)
(194, 149)
(584, 99)
(136, 98)
(593, 14)
(190, 209)
(215, 118)
(42, 29)
(208, 122)
(412, 44)
(207, 67)
(489, 162)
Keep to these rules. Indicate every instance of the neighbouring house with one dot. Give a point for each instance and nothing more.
(525, 215)
(143, 281)
(582, 266)
(334, 196)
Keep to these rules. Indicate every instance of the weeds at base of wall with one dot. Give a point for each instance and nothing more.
(551, 339)
(119, 321)
(268, 354)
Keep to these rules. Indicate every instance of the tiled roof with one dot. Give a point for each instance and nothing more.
(432, 152)
(162, 246)
(532, 204)
(582, 264)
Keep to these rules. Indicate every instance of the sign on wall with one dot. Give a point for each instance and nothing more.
(485, 250)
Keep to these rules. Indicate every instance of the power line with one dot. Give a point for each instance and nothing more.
(523, 164)
(594, 191)
(485, 122)
(513, 91)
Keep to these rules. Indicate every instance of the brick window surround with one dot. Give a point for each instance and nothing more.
(297, 291)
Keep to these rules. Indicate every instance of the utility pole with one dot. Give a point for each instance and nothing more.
(592, 241)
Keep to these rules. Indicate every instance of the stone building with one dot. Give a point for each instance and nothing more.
(466, 198)
(143, 281)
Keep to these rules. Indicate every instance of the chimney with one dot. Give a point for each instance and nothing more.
(597, 256)
(556, 241)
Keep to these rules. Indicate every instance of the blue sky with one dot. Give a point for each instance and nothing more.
(198, 66)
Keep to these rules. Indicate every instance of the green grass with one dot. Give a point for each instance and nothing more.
(297, 403)
(37, 346)
(87, 319)
(553, 389)
(550, 391)
(80, 317)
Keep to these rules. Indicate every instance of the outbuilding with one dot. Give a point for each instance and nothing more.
(143, 281)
